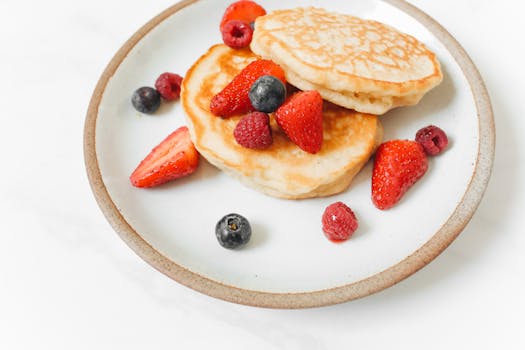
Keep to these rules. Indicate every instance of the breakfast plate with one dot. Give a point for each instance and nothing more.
(288, 263)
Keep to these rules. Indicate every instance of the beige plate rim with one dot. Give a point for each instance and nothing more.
(425, 254)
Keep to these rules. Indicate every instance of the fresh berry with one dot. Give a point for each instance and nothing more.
(433, 139)
(173, 158)
(243, 10)
(146, 100)
(234, 99)
(398, 165)
(168, 85)
(237, 34)
(339, 222)
(233, 231)
(253, 131)
(301, 119)
(267, 94)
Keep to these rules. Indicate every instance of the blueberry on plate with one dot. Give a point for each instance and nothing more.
(233, 231)
(267, 94)
(146, 100)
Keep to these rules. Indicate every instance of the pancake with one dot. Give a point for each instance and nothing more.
(282, 170)
(355, 63)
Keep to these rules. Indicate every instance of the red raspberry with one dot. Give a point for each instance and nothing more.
(339, 222)
(237, 34)
(244, 10)
(168, 85)
(433, 139)
(253, 131)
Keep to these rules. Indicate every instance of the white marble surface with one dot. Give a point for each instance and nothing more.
(67, 281)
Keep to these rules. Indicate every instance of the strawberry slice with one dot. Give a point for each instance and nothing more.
(234, 99)
(301, 119)
(398, 165)
(243, 10)
(173, 158)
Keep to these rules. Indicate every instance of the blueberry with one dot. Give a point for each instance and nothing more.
(233, 231)
(146, 100)
(267, 94)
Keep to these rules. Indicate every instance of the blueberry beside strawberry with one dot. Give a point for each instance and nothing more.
(234, 99)
(267, 94)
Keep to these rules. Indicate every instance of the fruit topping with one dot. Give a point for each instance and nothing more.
(243, 10)
(234, 99)
(233, 231)
(168, 85)
(267, 94)
(237, 34)
(146, 100)
(433, 139)
(398, 165)
(253, 131)
(301, 119)
(339, 222)
(173, 158)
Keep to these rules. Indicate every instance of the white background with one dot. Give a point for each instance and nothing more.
(67, 281)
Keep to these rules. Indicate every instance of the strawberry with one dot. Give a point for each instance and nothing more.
(242, 10)
(301, 119)
(234, 99)
(398, 165)
(173, 158)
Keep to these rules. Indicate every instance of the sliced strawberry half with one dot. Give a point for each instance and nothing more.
(234, 98)
(173, 158)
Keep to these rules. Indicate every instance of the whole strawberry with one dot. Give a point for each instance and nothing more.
(398, 165)
(234, 98)
(301, 119)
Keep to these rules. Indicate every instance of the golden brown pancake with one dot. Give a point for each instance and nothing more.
(283, 170)
(356, 63)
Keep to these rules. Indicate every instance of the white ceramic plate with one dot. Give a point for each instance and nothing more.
(289, 263)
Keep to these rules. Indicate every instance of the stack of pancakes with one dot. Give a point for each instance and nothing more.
(361, 68)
